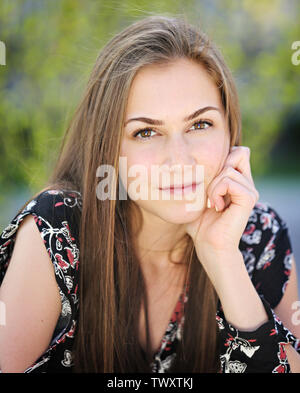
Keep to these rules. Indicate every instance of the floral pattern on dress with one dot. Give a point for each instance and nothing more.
(62, 246)
(267, 254)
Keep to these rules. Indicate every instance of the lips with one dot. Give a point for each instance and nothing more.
(179, 187)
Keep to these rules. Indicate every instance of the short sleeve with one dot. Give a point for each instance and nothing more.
(273, 254)
(56, 214)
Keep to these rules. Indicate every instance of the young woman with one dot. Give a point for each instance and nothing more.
(95, 284)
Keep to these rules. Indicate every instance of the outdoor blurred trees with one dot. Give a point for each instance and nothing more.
(51, 46)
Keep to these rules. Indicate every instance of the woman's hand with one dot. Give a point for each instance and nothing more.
(217, 234)
(232, 196)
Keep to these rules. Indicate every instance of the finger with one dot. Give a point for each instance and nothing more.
(239, 194)
(233, 174)
(239, 158)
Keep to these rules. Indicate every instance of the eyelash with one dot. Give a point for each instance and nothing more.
(150, 129)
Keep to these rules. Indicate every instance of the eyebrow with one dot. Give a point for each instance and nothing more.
(160, 122)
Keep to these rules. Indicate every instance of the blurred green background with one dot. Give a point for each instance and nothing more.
(51, 46)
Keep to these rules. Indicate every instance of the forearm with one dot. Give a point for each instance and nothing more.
(241, 303)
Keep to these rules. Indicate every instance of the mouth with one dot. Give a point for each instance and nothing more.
(180, 188)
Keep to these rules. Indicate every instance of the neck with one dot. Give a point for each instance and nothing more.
(159, 243)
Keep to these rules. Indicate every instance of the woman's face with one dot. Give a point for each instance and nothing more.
(174, 145)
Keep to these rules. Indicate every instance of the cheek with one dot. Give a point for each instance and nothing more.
(136, 167)
(212, 157)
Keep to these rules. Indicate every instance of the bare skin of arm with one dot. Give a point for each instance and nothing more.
(32, 302)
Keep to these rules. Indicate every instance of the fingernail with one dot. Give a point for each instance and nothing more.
(216, 208)
(208, 203)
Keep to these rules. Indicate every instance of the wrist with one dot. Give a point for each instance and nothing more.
(228, 274)
(223, 258)
(221, 266)
(240, 301)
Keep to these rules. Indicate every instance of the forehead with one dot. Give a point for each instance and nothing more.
(181, 86)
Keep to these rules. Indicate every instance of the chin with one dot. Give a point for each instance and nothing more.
(180, 218)
(175, 212)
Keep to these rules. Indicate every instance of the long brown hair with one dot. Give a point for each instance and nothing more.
(111, 282)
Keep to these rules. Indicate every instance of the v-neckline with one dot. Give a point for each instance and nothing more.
(176, 318)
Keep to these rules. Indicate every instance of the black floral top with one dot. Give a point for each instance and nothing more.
(267, 253)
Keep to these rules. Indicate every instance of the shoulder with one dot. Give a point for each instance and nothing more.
(55, 205)
(56, 215)
(25, 251)
(49, 208)
(263, 223)
(267, 251)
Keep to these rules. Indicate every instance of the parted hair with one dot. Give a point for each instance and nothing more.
(111, 286)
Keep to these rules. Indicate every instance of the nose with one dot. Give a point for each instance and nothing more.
(178, 161)
(178, 152)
